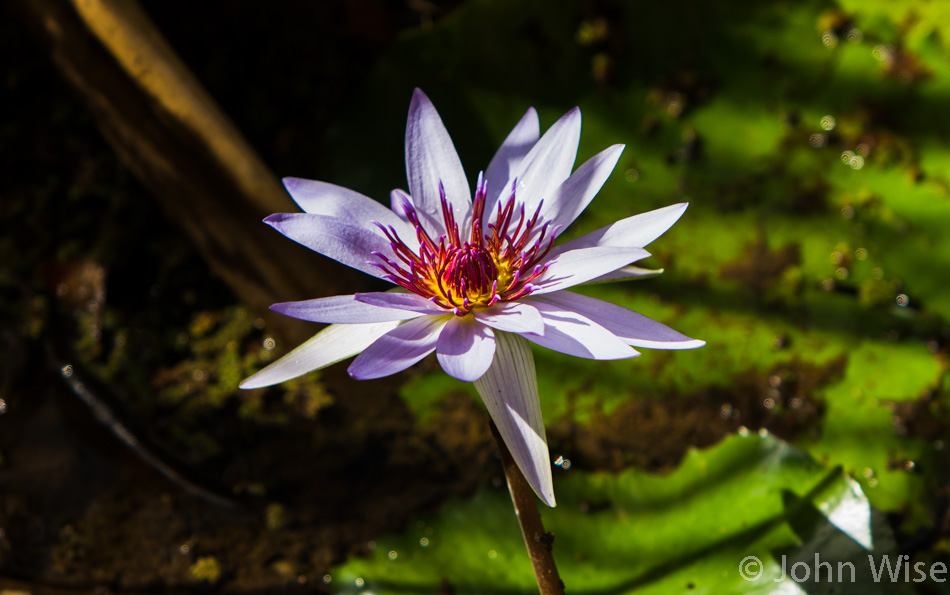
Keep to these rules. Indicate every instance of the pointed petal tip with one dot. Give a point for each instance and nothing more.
(571, 117)
(418, 96)
(290, 182)
(574, 114)
(542, 486)
(255, 381)
(274, 219)
(676, 212)
(353, 373)
(293, 184)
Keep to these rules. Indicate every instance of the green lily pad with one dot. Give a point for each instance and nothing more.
(689, 531)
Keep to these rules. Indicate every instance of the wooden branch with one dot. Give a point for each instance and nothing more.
(182, 147)
(536, 539)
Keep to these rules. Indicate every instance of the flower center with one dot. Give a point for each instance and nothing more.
(490, 267)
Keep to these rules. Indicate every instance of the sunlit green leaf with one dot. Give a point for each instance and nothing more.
(751, 495)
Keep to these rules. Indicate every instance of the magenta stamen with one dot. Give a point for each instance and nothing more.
(461, 276)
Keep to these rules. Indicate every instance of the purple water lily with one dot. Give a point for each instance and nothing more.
(476, 279)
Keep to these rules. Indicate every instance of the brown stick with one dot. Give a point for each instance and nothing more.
(537, 540)
(181, 146)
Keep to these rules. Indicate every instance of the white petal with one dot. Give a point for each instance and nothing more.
(638, 230)
(507, 159)
(575, 334)
(334, 238)
(513, 317)
(321, 198)
(399, 348)
(577, 266)
(630, 327)
(510, 391)
(627, 273)
(572, 197)
(431, 159)
(549, 162)
(331, 345)
(345, 309)
(465, 348)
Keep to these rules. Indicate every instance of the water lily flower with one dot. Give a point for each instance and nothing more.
(476, 279)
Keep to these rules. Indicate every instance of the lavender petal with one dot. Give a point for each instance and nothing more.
(321, 198)
(342, 309)
(507, 159)
(577, 266)
(638, 230)
(334, 238)
(574, 334)
(513, 317)
(571, 198)
(431, 159)
(630, 327)
(549, 162)
(465, 348)
(401, 301)
(399, 348)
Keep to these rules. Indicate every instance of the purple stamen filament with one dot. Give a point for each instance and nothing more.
(488, 268)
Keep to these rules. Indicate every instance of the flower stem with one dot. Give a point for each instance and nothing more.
(537, 540)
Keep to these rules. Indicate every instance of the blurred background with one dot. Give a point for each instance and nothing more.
(811, 138)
